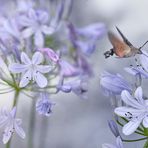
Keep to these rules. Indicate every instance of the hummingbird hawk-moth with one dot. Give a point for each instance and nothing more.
(122, 49)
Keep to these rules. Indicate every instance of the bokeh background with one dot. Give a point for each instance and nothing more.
(78, 123)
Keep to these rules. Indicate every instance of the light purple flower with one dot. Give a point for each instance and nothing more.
(31, 69)
(10, 124)
(44, 105)
(118, 144)
(36, 23)
(93, 31)
(67, 69)
(84, 66)
(85, 38)
(55, 22)
(51, 54)
(12, 28)
(77, 86)
(136, 111)
(24, 5)
(113, 84)
(113, 127)
(139, 70)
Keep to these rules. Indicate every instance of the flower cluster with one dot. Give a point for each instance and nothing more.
(131, 105)
(43, 53)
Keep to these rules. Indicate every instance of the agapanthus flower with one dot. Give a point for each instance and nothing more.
(113, 83)
(114, 128)
(44, 105)
(118, 144)
(36, 23)
(85, 38)
(139, 70)
(51, 54)
(84, 65)
(24, 5)
(67, 69)
(31, 69)
(77, 86)
(10, 124)
(136, 112)
(12, 28)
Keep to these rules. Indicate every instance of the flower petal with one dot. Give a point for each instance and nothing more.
(139, 95)
(145, 122)
(25, 79)
(43, 16)
(39, 39)
(44, 68)
(40, 80)
(6, 137)
(119, 142)
(26, 33)
(130, 127)
(108, 146)
(37, 58)
(127, 111)
(48, 30)
(19, 130)
(17, 68)
(32, 14)
(129, 100)
(25, 59)
(7, 134)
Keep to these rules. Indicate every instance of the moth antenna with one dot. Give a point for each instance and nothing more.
(143, 45)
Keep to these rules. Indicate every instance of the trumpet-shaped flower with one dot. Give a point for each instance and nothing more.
(139, 70)
(44, 105)
(113, 84)
(118, 144)
(36, 24)
(10, 124)
(136, 112)
(85, 38)
(31, 69)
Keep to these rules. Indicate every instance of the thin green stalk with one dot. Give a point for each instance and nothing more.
(16, 95)
(146, 144)
(135, 140)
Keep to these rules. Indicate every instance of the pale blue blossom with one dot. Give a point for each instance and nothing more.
(118, 144)
(51, 54)
(114, 128)
(113, 83)
(44, 105)
(85, 38)
(36, 23)
(77, 86)
(10, 124)
(31, 69)
(139, 70)
(136, 111)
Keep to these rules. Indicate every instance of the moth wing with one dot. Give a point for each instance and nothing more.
(119, 47)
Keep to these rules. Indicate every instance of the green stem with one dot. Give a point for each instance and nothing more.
(146, 144)
(16, 95)
(134, 140)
